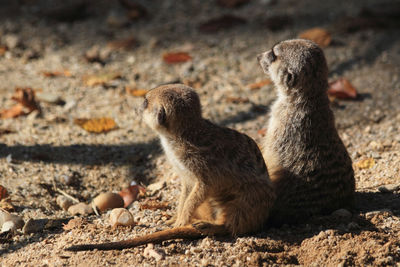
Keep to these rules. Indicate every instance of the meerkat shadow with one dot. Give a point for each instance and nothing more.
(377, 201)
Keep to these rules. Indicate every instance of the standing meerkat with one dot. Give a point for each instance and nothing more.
(225, 187)
(308, 164)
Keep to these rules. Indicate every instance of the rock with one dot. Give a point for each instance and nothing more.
(154, 188)
(64, 202)
(121, 216)
(49, 98)
(8, 226)
(107, 201)
(80, 208)
(389, 188)
(150, 252)
(8, 217)
(34, 226)
(11, 41)
(342, 213)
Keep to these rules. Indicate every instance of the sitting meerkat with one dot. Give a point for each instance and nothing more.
(225, 187)
(308, 164)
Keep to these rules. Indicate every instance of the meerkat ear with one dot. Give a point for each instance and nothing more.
(291, 79)
(161, 116)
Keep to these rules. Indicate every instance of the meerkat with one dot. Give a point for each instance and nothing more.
(225, 186)
(308, 163)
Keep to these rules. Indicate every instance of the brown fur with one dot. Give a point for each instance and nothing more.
(306, 159)
(225, 183)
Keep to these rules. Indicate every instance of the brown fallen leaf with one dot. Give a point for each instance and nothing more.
(258, 85)
(74, 223)
(176, 57)
(26, 103)
(221, 23)
(122, 44)
(365, 163)
(232, 3)
(3, 192)
(342, 89)
(131, 194)
(318, 35)
(237, 100)
(96, 125)
(135, 92)
(51, 74)
(262, 132)
(3, 50)
(6, 204)
(100, 79)
(152, 204)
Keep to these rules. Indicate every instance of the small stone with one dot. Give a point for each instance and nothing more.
(8, 217)
(9, 158)
(49, 98)
(204, 262)
(353, 226)
(154, 188)
(80, 208)
(64, 202)
(11, 41)
(150, 252)
(121, 216)
(34, 226)
(343, 213)
(389, 188)
(108, 200)
(8, 226)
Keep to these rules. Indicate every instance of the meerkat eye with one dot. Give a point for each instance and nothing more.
(145, 103)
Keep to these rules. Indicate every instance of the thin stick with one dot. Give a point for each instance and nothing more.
(67, 195)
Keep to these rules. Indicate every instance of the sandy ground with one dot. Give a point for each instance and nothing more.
(43, 150)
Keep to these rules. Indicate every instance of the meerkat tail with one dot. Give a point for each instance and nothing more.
(183, 232)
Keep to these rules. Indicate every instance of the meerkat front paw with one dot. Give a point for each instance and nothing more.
(207, 228)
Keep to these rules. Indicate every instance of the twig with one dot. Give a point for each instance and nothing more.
(67, 195)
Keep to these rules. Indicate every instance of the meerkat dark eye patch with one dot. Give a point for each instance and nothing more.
(161, 116)
(291, 79)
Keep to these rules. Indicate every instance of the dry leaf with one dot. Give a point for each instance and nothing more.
(177, 57)
(26, 104)
(3, 192)
(13, 112)
(6, 204)
(65, 73)
(126, 44)
(152, 204)
(131, 193)
(262, 131)
(136, 92)
(232, 3)
(3, 50)
(318, 35)
(342, 89)
(365, 163)
(258, 85)
(96, 125)
(237, 100)
(222, 23)
(100, 79)
(74, 223)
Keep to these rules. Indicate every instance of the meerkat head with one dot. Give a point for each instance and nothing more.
(170, 108)
(296, 66)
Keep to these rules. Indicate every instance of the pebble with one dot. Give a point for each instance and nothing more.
(80, 208)
(150, 252)
(11, 41)
(8, 217)
(64, 202)
(389, 188)
(121, 216)
(154, 188)
(108, 200)
(8, 226)
(343, 213)
(34, 226)
(49, 98)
